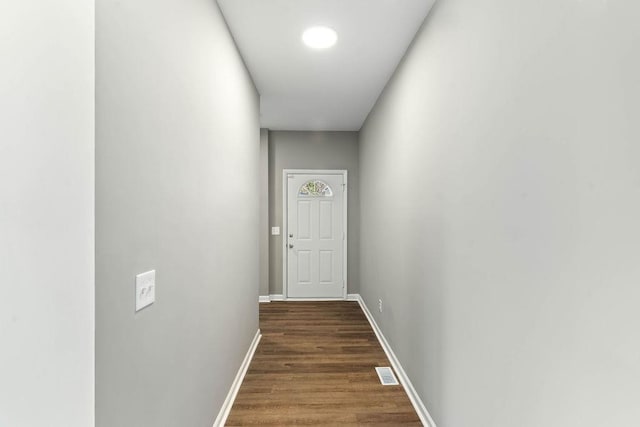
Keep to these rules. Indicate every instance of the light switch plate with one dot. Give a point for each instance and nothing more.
(275, 231)
(145, 289)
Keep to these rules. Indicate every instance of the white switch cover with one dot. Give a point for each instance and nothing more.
(275, 231)
(145, 289)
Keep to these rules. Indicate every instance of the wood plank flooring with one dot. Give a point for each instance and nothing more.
(315, 365)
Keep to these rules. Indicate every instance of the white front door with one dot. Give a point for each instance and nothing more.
(315, 236)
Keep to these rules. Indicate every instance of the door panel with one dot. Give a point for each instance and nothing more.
(326, 220)
(315, 235)
(326, 266)
(304, 267)
(304, 219)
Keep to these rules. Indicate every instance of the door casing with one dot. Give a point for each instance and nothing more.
(285, 226)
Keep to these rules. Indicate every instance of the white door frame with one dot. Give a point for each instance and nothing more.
(285, 226)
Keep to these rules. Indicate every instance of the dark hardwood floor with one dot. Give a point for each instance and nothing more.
(315, 365)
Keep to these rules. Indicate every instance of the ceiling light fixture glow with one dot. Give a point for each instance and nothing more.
(319, 37)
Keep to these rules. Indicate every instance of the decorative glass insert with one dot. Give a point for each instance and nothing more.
(315, 188)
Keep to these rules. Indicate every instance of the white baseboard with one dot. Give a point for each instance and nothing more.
(280, 297)
(237, 382)
(417, 403)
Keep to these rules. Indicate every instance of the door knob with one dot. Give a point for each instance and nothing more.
(290, 246)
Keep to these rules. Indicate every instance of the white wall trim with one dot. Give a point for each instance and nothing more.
(280, 297)
(417, 403)
(237, 382)
(264, 298)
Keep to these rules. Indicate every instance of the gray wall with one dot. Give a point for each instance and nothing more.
(46, 213)
(501, 213)
(264, 212)
(176, 168)
(313, 150)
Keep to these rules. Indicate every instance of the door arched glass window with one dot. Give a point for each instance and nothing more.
(315, 188)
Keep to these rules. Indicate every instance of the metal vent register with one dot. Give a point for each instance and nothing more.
(386, 376)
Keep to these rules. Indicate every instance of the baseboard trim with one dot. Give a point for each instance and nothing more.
(280, 297)
(417, 403)
(237, 382)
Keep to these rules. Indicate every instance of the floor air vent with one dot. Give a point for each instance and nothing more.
(386, 376)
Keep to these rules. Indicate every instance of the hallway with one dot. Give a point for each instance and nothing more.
(491, 237)
(315, 365)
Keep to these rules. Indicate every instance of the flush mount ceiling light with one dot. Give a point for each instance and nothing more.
(319, 37)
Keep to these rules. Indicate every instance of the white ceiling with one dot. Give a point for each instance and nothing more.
(333, 89)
